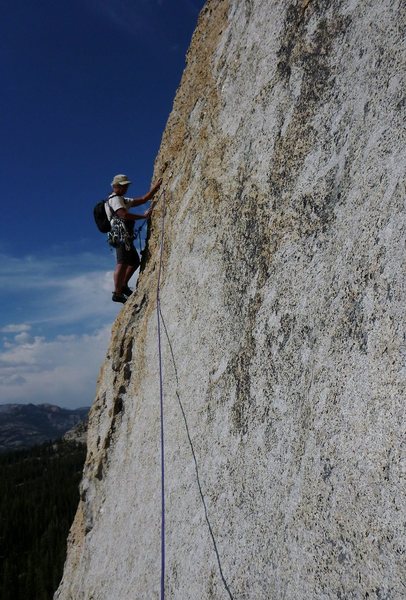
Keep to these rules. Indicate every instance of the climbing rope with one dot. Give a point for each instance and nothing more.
(206, 514)
(161, 402)
(161, 396)
(137, 235)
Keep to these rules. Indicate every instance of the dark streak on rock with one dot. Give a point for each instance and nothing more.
(312, 59)
(127, 372)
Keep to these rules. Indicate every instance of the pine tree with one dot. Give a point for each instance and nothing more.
(38, 499)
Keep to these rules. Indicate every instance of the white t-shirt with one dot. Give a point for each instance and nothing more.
(115, 202)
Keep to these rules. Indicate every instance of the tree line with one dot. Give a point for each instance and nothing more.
(39, 494)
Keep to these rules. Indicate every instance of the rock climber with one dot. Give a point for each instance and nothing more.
(128, 261)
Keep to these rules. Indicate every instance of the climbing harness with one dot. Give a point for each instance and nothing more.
(118, 234)
(137, 236)
(161, 399)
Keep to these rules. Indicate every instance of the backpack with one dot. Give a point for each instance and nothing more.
(100, 217)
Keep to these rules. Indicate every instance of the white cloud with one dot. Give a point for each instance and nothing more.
(59, 290)
(55, 327)
(62, 371)
(16, 328)
(23, 337)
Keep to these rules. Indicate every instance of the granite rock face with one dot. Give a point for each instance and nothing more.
(283, 296)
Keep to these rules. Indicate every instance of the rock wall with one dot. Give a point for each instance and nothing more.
(283, 291)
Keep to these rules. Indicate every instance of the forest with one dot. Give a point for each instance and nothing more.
(39, 494)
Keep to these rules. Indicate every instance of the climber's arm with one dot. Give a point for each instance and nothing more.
(124, 214)
(148, 196)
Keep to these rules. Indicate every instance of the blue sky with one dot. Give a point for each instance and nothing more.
(87, 87)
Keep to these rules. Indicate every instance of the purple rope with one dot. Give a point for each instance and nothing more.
(161, 396)
(161, 400)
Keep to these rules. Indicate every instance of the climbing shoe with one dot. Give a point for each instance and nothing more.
(119, 298)
(126, 291)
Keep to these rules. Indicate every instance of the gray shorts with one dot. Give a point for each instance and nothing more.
(127, 257)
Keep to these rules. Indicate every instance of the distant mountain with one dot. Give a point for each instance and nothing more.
(78, 433)
(26, 425)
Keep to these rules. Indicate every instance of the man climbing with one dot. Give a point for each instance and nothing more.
(128, 261)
